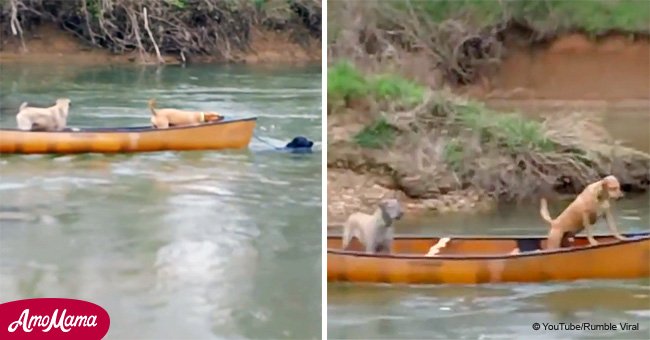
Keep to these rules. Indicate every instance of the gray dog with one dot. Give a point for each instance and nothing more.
(374, 231)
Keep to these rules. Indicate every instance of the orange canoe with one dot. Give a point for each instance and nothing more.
(224, 134)
(472, 260)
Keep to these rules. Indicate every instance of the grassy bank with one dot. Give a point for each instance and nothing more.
(434, 142)
(182, 28)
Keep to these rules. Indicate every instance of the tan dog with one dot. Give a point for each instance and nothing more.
(53, 118)
(374, 231)
(164, 118)
(590, 204)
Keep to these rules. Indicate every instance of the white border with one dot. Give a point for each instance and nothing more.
(324, 170)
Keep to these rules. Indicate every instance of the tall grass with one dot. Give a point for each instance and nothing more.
(509, 130)
(589, 16)
(377, 135)
(346, 82)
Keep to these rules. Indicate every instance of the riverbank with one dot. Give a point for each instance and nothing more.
(425, 101)
(48, 44)
(165, 33)
(445, 152)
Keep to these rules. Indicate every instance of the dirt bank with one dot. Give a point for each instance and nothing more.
(49, 44)
(573, 67)
(607, 79)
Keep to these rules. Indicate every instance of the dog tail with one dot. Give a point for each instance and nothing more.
(22, 106)
(152, 106)
(543, 210)
(212, 117)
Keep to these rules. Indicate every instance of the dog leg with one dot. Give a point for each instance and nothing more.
(611, 223)
(371, 243)
(387, 246)
(347, 235)
(164, 123)
(554, 240)
(587, 225)
(23, 122)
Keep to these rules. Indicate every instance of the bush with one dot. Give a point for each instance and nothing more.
(345, 82)
(378, 135)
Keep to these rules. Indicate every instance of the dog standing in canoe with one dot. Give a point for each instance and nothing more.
(164, 118)
(591, 203)
(53, 118)
(374, 231)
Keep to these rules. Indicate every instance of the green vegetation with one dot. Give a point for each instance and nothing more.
(180, 4)
(377, 135)
(346, 82)
(592, 16)
(389, 86)
(511, 131)
(454, 153)
(508, 130)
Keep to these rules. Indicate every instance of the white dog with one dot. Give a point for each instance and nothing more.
(53, 118)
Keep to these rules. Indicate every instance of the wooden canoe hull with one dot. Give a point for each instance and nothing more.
(225, 134)
(473, 260)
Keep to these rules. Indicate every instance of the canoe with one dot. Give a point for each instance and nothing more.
(480, 259)
(224, 134)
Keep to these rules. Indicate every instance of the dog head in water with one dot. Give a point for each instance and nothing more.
(299, 144)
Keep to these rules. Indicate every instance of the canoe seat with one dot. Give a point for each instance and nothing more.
(529, 244)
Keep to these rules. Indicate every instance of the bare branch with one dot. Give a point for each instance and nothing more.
(153, 41)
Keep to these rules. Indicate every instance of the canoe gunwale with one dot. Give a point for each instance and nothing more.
(637, 237)
(135, 129)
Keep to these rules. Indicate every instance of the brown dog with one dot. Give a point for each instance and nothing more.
(53, 118)
(164, 118)
(590, 204)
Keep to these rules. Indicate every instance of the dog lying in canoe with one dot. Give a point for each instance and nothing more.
(164, 118)
(592, 203)
(53, 118)
(374, 231)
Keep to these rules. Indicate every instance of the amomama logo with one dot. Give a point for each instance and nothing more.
(53, 318)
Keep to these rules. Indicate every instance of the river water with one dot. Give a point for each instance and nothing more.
(173, 245)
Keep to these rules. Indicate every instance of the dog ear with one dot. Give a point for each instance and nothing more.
(601, 191)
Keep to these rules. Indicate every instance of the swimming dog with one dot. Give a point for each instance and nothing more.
(299, 145)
